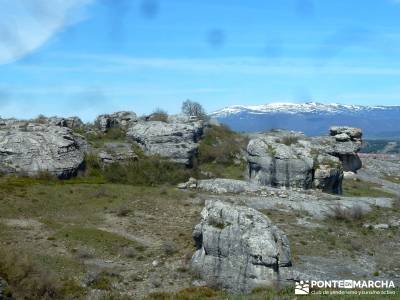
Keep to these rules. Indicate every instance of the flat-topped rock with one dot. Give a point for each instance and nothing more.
(177, 142)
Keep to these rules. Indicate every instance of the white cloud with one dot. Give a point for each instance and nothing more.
(26, 25)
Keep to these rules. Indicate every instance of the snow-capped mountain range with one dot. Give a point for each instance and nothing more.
(312, 118)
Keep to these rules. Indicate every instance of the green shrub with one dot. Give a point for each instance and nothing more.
(114, 134)
(149, 171)
(29, 280)
(221, 145)
(92, 165)
(220, 150)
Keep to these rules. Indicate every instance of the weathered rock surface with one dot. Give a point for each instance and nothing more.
(289, 160)
(239, 249)
(70, 122)
(41, 148)
(122, 119)
(223, 186)
(175, 141)
(116, 152)
(281, 158)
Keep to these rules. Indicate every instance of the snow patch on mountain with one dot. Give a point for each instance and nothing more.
(295, 108)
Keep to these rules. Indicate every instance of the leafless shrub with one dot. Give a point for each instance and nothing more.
(83, 253)
(170, 248)
(129, 252)
(123, 211)
(289, 140)
(347, 214)
(159, 115)
(191, 108)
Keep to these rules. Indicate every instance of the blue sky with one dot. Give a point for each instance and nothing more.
(86, 57)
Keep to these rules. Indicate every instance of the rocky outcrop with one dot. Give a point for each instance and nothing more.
(275, 163)
(116, 152)
(223, 186)
(41, 148)
(176, 141)
(70, 122)
(282, 158)
(239, 249)
(122, 120)
(348, 144)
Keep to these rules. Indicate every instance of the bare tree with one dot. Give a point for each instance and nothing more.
(192, 108)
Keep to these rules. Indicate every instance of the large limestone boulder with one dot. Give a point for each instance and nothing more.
(122, 119)
(239, 249)
(41, 148)
(275, 162)
(173, 140)
(290, 159)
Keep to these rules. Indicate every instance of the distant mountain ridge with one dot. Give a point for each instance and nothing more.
(312, 118)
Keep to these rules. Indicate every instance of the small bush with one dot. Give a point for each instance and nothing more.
(123, 211)
(220, 152)
(41, 119)
(347, 214)
(289, 140)
(100, 280)
(170, 248)
(129, 252)
(114, 133)
(28, 280)
(159, 115)
(92, 165)
(221, 145)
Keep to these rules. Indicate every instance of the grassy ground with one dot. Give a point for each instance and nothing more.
(70, 237)
(77, 230)
(344, 237)
(359, 188)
